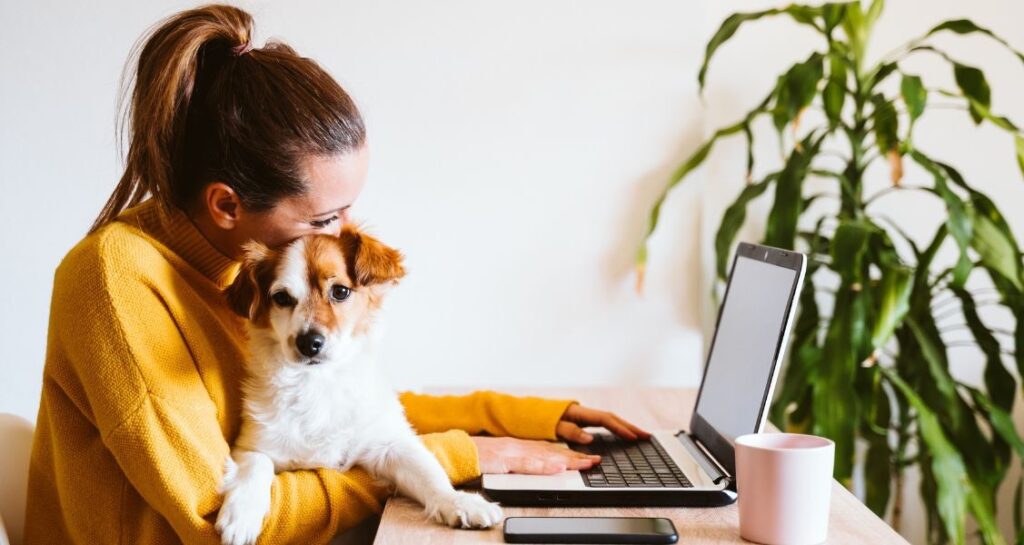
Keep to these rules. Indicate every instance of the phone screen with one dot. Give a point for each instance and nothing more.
(582, 526)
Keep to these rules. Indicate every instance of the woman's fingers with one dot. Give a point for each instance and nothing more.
(535, 466)
(592, 417)
(616, 426)
(545, 459)
(573, 459)
(633, 429)
(571, 432)
(509, 455)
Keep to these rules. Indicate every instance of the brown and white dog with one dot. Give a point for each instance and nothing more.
(313, 396)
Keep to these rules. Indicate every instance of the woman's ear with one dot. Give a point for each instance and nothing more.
(369, 260)
(247, 294)
(222, 204)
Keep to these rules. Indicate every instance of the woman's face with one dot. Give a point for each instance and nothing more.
(333, 184)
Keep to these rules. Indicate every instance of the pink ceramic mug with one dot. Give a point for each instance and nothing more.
(784, 482)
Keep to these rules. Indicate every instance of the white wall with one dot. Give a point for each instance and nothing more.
(516, 147)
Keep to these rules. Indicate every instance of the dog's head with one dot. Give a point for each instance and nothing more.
(313, 296)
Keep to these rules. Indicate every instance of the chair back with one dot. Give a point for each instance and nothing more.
(16, 440)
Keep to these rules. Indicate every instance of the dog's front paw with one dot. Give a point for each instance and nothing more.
(465, 510)
(240, 519)
(246, 504)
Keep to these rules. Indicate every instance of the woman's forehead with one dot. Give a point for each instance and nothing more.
(332, 181)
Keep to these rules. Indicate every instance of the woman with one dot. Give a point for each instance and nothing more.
(140, 400)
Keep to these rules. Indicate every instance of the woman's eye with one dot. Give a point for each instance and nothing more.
(320, 224)
(339, 292)
(283, 299)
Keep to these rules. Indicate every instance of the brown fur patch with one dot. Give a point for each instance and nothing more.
(369, 261)
(325, 267)
(247, 295)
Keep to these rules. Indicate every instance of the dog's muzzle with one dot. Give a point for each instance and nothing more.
(310, 344)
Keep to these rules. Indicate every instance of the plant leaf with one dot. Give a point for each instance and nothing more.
(796, 89)
(958, 222)
(1019, 144)
(680, 173)
(833, 14)
(802, 14)
(878, 464)
(733, 219)
(835, 405)
(893, 303)
(937, 366)
(782, 219)
(966, 26)
(996, 410)
(983, 505)
(914, 96)
(874, 10)
(881, 72)
(856, 29)
(805, 356)
(997, 252)
(849, 246)
(886, 124)
(947, 466)
(835, 90)
(973, 85)
(1000, 121)
(991, 236)
(1001, 420)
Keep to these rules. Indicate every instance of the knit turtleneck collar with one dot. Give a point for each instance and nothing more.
(179, 233)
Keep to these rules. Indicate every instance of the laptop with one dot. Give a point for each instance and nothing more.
(693, 467)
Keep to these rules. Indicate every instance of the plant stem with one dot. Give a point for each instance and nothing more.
(893, 188)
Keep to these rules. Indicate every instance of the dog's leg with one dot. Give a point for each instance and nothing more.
(417, 474)
(246, 489)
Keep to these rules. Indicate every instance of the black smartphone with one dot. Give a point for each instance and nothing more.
(589, 530)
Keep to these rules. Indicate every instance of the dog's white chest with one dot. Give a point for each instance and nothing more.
(319, 421)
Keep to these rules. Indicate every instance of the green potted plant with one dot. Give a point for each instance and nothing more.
(872, 365)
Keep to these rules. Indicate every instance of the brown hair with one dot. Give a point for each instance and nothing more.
(206, 106)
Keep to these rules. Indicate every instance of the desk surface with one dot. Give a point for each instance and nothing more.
(653, 408)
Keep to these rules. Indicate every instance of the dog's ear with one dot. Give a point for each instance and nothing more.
(247, 293)
(369, 261)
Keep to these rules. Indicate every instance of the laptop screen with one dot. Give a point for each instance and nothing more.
(752, 324)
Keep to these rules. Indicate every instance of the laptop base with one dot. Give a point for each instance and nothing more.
(611, 498)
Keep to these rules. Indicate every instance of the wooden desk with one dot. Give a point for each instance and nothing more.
(652, 408)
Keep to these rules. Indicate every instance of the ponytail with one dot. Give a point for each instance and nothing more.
(207, 107)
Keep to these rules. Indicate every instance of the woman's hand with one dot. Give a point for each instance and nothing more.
(511, 455)
(577, 417)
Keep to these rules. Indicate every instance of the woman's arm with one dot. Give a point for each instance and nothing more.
(486, 412)
(117, 351)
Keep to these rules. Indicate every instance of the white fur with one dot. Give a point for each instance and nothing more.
(335, 414)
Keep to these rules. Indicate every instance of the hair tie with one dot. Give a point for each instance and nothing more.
(240, 50)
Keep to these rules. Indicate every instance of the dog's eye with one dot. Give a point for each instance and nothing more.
(339, 292)
(282, 299)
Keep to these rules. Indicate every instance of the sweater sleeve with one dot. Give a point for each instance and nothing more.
(486, 412)
(166, 458)
(141, 389)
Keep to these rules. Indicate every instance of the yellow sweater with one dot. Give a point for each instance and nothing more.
(141, 402)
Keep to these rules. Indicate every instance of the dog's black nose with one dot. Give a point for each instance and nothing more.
(310, 343)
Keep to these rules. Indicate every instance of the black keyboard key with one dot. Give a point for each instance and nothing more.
(633, 464)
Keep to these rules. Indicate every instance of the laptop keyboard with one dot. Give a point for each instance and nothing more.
(639, 464)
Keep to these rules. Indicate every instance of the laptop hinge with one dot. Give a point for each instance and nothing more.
(703, 457)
